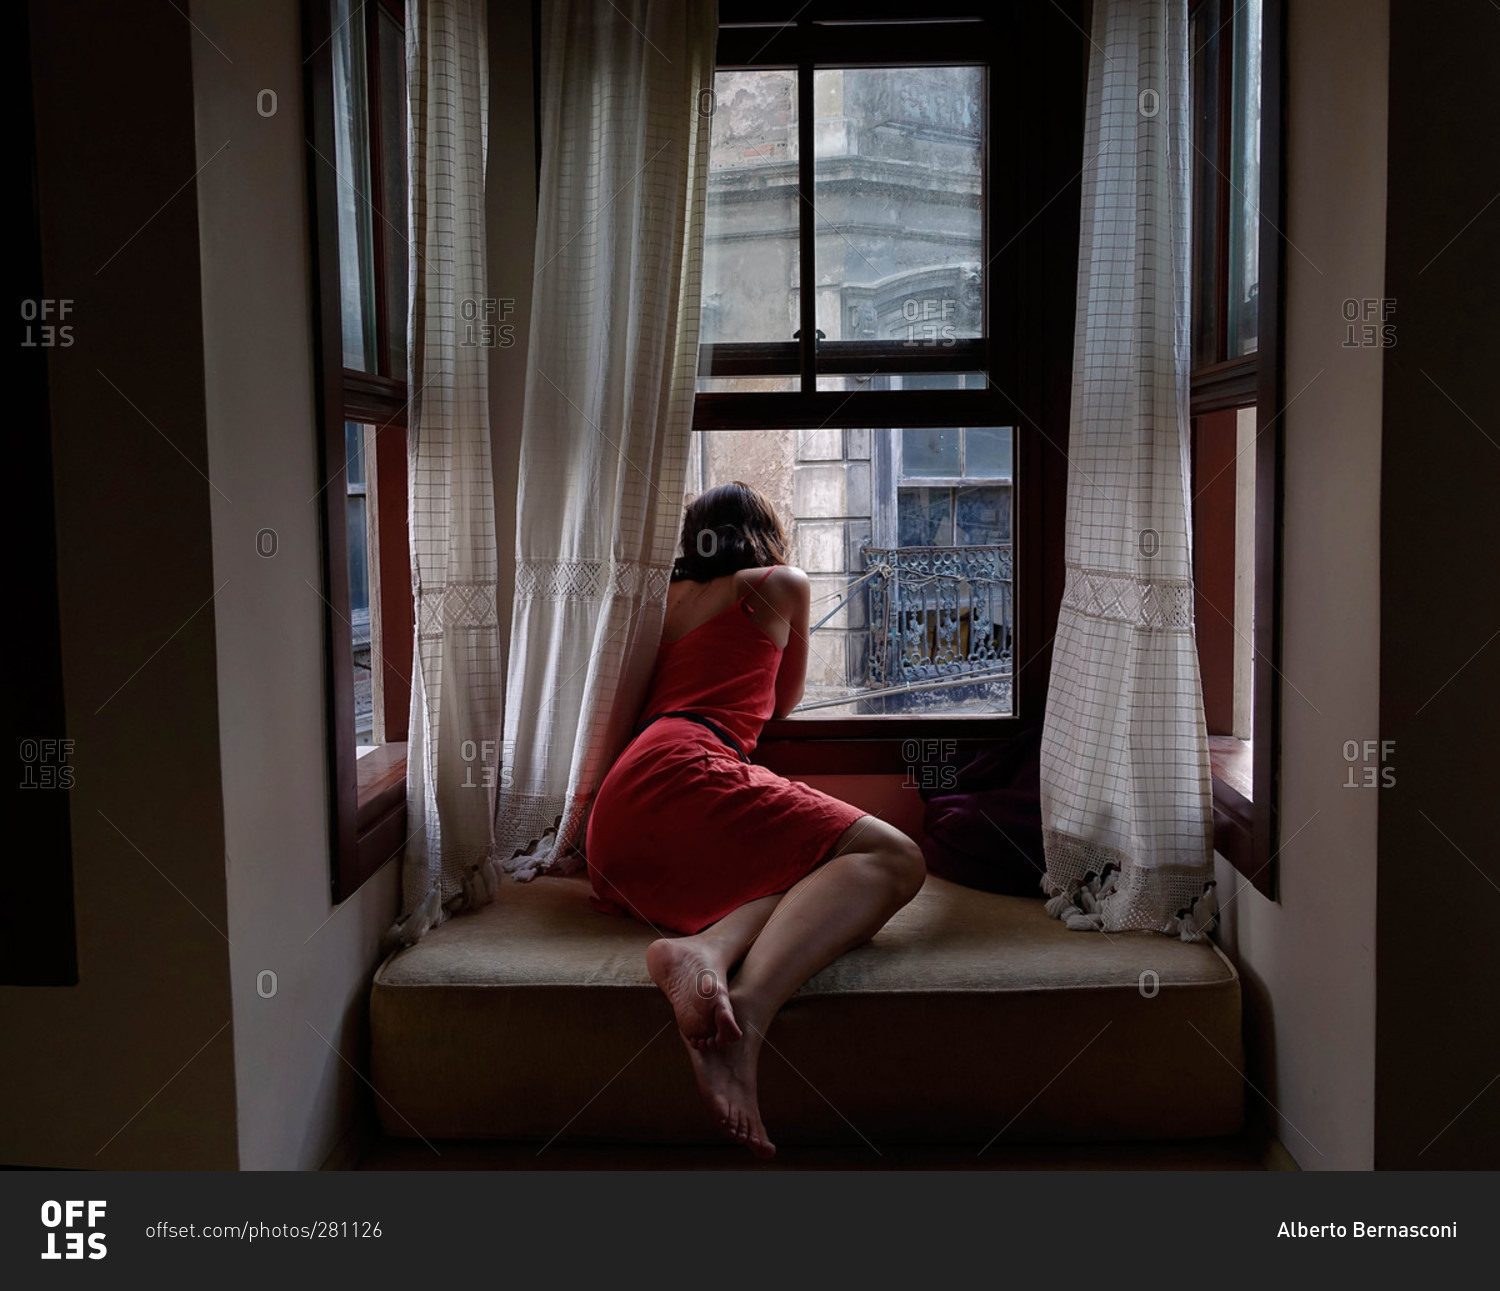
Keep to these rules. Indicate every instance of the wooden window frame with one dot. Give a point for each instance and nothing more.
(367, 796)
(1246, 829)
(1030, 238)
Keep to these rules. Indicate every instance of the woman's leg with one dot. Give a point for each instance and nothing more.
(693, 972)
(874, 871)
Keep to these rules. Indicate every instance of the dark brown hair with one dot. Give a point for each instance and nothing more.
(729, 528)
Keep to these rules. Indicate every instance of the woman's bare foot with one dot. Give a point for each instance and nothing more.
(695, 986)
(726, 1079)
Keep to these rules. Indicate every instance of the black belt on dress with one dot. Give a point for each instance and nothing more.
(708, 722)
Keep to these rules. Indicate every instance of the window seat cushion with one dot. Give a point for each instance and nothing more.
(969, 1014)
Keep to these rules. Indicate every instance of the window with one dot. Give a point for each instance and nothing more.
(356, 94)
(1236, 401)
(862, 359)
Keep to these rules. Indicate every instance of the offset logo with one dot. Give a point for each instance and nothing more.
(64, 1222)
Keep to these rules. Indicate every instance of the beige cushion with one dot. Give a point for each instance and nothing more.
(970, 1014)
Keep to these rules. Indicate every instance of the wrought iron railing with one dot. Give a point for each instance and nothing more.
(939, 615)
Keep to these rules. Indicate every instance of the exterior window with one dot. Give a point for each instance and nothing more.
(905, 532)
(356, 103)
(845, 282)
(1236, 402)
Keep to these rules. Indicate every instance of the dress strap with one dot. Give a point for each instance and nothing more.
(770, 569)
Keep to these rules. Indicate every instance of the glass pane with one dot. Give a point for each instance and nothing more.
(359, 615)
(938, 381)
(857, 382)
(930, 452)
(393, 197)
(1244, 575)
(899, 203)
(743, 385)
(354, 457)
(750, 263)
(910, 614)
(351, 159)
(359, 565)
(981, 517)
(924, 517)
(987, 453)
(1203, 38)
(356, 508)
(1244, 176)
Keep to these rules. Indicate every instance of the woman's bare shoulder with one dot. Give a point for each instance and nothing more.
(785, 580)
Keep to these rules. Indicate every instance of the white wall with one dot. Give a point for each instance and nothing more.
(1308, 962)
(295, 1095)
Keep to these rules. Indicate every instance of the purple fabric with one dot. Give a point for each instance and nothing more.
(983, 825)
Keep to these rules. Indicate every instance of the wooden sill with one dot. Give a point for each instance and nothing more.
(381, 781)
(380, 822)
(1234, 808)
(1231, 762)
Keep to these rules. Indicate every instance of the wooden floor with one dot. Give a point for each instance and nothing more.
(1243, 1153)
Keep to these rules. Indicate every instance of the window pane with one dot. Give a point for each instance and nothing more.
(357, 519)
(359, 565)
(393, 180)
(987, 453)
(924, 517)
(1244, 199)
(899, 202)
(1203, 38)
(1244, 575)
(352, 161)
(746, 385)
(930, 452)
(354, 456)
(856, 382)
(750, 263)
(909, 613)
(981, 517)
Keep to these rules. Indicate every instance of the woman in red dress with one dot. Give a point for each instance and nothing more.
(769, 879)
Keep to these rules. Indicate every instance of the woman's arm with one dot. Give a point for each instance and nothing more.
(780, 603)
(794, 599)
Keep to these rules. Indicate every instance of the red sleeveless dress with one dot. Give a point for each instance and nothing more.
(682, 830)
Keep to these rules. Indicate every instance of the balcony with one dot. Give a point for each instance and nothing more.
(940, 635)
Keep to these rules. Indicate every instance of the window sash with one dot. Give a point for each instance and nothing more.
(366, 819)
(833, 35)
(1030, 247)
(1246, 831)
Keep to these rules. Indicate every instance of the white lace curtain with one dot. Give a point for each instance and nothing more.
(456, 664)
(627, 93)
(1126, 793)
